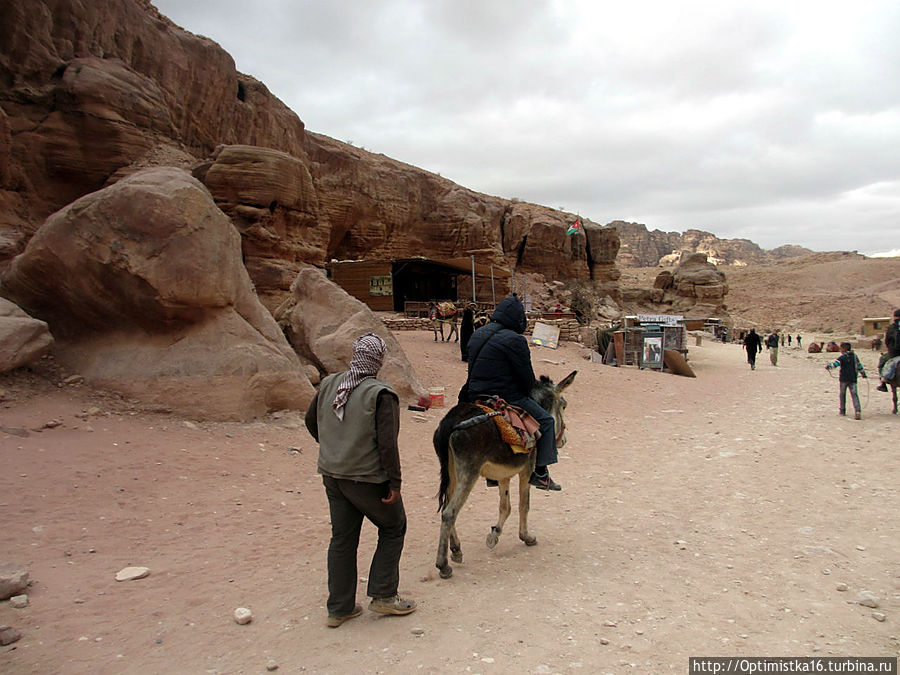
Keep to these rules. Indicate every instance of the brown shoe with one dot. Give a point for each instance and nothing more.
(335, 621)
(858, 416)
(394, 605)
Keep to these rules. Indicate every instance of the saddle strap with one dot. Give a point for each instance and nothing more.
(472, 421)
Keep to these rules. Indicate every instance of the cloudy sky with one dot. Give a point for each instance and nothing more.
(773, 121)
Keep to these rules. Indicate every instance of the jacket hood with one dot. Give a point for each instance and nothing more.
(510, 313)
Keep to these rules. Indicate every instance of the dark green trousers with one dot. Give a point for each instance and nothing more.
(349, 502)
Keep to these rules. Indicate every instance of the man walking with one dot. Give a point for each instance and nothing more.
(753, 345)
(772, 346)
(355, 418)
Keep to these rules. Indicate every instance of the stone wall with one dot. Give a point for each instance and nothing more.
(569, 329)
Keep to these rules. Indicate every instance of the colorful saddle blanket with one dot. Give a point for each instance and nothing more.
(517, 428)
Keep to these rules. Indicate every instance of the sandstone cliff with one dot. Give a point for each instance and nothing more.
(92, 92)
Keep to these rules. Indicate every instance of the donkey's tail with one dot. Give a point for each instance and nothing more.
(442, 448)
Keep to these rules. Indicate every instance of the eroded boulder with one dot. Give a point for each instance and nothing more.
(698, 283)
(272, 201)
(23, 339)
(143, 286)
(323, 321)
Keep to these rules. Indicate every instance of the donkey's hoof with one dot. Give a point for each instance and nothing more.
(446, 571)
(456, 556)
(529, 540)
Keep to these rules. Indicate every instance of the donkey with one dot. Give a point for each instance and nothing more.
(441, 313)
(467, 450)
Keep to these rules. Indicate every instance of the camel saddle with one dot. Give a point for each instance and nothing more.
(446, 309)
(517, 427)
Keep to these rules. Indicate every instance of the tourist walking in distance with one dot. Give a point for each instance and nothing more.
(753, 345)
(355, 418)
(772, 346)
(849, 364)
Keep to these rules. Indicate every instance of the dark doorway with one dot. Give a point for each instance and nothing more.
(422, 281)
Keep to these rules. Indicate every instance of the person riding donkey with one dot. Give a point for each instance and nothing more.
(500, 365)
(892, 342)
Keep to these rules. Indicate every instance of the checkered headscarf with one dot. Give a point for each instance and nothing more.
(368, 355)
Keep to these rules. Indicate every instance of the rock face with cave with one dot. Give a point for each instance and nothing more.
(100, 90)
(97, 93)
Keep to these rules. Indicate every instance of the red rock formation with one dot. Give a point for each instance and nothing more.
(322, 321)
(89, 87)
(159, 308)
(94, 91)
(696, 284)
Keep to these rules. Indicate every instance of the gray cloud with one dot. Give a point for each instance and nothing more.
(765, 120)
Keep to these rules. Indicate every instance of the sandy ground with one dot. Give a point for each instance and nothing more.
(721, 515)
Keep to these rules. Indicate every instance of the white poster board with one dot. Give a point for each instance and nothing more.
(545, 335)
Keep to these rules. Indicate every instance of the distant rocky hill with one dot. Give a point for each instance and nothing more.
(640, 247)
(821, 294)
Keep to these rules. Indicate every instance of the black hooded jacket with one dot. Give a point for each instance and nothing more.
(891, 339)
(499, 357)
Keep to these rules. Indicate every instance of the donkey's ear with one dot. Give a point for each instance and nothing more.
(567, 381)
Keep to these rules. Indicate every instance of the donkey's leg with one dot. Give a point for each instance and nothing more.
(524, 504)
(465, 480)
(455, 547)
(894, 393)
(505, 509)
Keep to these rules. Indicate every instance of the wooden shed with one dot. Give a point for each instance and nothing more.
(387, 285)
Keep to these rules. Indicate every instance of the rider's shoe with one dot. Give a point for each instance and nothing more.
(490, 482)
(882, 386)
(544, 482)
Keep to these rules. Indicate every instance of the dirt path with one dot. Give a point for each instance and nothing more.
(711, 516)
